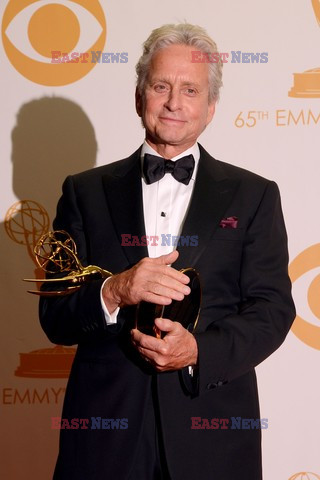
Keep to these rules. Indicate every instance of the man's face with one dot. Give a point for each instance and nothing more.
(174, 107)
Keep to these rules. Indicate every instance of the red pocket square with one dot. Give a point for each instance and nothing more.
(229, 222)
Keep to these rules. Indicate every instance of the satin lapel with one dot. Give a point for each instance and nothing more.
(213, 193)
(124, 195)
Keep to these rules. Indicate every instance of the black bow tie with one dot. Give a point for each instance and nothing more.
(154, 168)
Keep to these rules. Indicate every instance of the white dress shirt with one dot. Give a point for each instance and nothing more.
(165, 206)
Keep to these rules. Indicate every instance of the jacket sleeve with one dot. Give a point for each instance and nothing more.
(77, 317)
(237, 342)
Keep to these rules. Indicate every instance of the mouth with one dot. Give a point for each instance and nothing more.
(171, 120)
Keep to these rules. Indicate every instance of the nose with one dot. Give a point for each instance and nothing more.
(173, 101)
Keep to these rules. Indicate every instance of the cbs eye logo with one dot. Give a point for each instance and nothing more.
(33, 29)
(305, 269)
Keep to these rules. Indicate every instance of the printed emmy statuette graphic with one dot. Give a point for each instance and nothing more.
(25, 223)
(307, 84)
(305, 476)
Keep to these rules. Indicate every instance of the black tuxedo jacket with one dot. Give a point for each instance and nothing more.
(246, 313)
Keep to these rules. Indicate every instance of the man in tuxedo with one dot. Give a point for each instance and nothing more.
(170, 402)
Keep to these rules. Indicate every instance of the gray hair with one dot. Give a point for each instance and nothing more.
(183, 34)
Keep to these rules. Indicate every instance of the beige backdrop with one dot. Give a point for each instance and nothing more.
(62, 118)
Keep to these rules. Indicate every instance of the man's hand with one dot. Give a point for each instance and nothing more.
(151, 280)
(178, 349)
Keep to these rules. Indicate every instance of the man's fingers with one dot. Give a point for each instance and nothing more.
(166, 325)
(146, 343)
(152, 280)
(162, 295)
(168, 258)
(157, 270)
(169, 276)
(176, 350)
(155, 284)
(167, 286)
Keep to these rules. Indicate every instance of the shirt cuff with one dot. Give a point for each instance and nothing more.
(111, 318)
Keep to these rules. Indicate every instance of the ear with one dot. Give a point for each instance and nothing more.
(211, 111)
(138, 103)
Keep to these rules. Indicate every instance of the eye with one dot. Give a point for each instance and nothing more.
(160, 87)
(31, 34)
(305, 275)
(191, 91)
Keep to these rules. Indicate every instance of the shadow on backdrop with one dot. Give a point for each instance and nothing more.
(52, 138)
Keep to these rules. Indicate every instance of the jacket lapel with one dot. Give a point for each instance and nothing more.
(124, 195)
(213, 193)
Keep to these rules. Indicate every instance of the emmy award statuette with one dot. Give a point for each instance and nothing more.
(56, 253)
